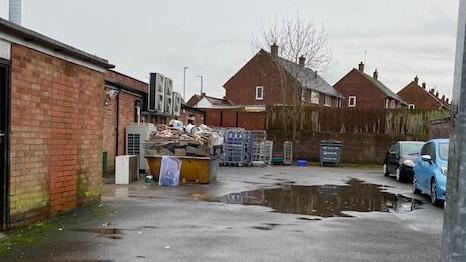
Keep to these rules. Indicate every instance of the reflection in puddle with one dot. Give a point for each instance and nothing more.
(111, 233)
(326, 200)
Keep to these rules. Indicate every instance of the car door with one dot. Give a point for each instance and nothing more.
(392, 158)
(428, 166)
(422, 167)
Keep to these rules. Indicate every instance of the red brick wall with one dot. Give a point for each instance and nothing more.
(357, 148)
(109, 133)
(187, 114)
(414, 94)
(354, 84)
(56, 135)
(235, 118)
(126, 116)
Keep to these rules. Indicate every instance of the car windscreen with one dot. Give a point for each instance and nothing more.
(443, 150)
(411, 148)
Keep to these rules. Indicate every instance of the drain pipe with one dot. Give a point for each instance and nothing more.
(117, 129)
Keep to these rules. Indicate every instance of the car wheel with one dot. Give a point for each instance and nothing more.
(399, 177)
(385, 170)
(433, 194)
(416, 191)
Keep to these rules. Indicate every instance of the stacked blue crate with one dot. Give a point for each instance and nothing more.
(238, 147)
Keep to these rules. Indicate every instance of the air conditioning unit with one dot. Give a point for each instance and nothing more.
(168, 93)
(176, 104)
(156, 98)
(136, 135)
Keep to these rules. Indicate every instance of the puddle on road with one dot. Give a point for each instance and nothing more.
(326, 200)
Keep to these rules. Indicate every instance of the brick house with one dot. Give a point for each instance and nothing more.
(268, 79)
(51, 125)
(361, 90)
(420, 98)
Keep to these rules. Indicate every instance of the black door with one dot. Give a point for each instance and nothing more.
(4, 118)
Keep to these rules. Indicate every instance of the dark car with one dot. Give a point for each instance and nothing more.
(399, 160)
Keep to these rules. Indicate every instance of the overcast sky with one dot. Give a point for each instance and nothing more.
(213, 37)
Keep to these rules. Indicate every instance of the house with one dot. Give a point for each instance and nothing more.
(204, 101)
(361, 90)
(420, 98)
(268, 79)
(51, 107)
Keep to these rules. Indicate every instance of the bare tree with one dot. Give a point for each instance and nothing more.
(298, 40)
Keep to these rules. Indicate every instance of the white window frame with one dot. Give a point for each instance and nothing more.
(328, 101)
(354, 98)
(393, 104)
(315, 97)
(412, 106)
(257, 93)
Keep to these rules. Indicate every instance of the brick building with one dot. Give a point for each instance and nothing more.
(420, 98)
(51, 125)
(268, 79)
(361, 90)
(191, 115)
(125, 100)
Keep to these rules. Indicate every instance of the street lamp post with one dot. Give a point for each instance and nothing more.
(454, 225)
(202, 84)
(184, 82)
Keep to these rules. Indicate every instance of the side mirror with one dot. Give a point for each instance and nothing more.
(426, 158)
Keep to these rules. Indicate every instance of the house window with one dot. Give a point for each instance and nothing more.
(392, 104)
(259, 93)
(338, 102)
(352, 101)
(314, 97)
(412, 106)
(328, 101)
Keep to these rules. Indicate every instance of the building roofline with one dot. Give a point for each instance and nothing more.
(128, 76)
(42, 40)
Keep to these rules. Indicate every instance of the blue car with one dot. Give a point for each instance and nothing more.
(430, 170)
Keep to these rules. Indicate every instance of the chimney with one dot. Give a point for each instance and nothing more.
(416, 80)
(443, 98)
(376, 75)
(302, 61)
(424, 85)
(274, 49)
(448, 100)
(15, 11)
(432, 91)
(361, 67)
(437, 94)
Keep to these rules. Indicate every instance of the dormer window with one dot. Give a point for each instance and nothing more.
(259, 93)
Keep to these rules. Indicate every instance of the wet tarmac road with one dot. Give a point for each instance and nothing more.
(252, 214)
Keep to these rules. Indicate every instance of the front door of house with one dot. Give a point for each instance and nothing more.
(4, 108)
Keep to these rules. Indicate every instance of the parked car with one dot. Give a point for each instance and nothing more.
(399, 160)
(430, 170)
